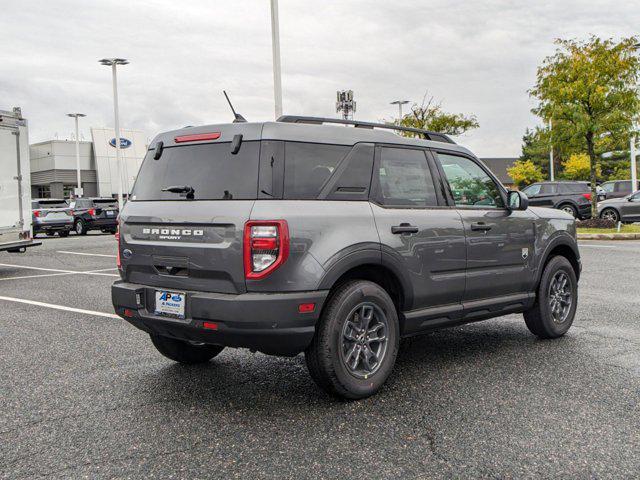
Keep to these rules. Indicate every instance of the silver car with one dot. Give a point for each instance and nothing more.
(625, 209)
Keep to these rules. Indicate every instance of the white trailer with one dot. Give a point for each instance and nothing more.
(15, 183)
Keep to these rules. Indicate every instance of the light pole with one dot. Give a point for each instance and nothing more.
(113, 63)
(551, 172)
(76, 116)
(400, 103)
(632, 148)
(275, 47)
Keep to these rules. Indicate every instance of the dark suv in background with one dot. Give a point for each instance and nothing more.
(50, 215)
(617, 188)
(571, 197)
(295, 236)
(95, 214)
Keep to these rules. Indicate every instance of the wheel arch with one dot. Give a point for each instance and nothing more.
(564, 247)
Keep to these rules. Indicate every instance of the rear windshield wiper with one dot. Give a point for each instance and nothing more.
(188, 189)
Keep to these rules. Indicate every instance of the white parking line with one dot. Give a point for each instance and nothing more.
(35, 276)
(595, 246)
(91, 272)
(87, 254)
(59, 307)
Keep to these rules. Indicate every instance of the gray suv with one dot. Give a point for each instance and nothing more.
(297, 236)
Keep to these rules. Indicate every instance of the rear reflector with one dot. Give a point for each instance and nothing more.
(198, 137)
(210, 325)
(128, 313)
(306, 307)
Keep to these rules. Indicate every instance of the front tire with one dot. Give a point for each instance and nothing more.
(80, 227)
(184, 352)
(610, 214)
(356, 341)
(557, 298)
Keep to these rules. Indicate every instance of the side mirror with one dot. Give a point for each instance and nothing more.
(517, 200)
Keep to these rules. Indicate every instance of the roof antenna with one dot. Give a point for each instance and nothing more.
(237, 117)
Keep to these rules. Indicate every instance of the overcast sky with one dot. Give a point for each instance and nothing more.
(476, 57)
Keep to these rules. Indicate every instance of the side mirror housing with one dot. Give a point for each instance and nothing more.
(517, 200)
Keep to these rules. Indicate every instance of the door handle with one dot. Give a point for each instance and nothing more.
(480, 227)
(404, 228)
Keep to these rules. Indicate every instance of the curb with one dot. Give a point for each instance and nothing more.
(608, 236)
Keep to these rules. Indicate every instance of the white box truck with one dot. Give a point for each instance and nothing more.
(15, 183)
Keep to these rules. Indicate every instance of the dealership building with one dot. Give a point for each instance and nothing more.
(53, 164)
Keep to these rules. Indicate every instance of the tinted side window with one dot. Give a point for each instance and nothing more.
(608, 187)
(308, 166)
(623, 187)
(531, 190)
(404, 178)
(352, 178)
(470, 184)
(574, 187)
(547, 188)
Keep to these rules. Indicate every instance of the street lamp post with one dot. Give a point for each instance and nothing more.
(76, 116)
(399, 103)
(632, 149)
(275, 46)
(113, 63)
(551, 169)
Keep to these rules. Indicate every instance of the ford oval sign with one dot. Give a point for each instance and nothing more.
(124, 142)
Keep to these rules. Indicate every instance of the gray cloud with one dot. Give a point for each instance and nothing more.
(477, 57)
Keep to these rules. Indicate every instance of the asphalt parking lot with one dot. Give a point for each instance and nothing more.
(86, 395)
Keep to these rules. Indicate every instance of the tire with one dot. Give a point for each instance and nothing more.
(570, 209)
(184, 352)
(610, 214)
(80, 227)
(541, 319)
(63, 233)
(337, 340)
(50, 234)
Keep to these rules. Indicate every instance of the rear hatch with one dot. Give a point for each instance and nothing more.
(185, 219)
(105, 208)
(52, 211)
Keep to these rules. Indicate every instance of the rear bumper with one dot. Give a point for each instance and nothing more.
(584, 211)
(53, 226)
(267, 322)
(101, 223)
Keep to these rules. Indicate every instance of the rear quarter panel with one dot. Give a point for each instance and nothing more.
(321, 232)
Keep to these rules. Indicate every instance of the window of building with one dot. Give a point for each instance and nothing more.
(44, 191)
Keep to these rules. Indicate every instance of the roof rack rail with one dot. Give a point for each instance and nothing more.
(428, 135)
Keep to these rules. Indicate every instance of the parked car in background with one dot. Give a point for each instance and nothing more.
(50, 215)
(569, 196)
(617, 188)
(95, 214)
(623, 209)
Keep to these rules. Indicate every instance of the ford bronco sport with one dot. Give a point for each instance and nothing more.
(298, 236)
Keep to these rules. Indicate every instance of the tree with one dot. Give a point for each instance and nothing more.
(535, 148)
(430, 116)
(587, 90)
(525, 172)
(578, 167)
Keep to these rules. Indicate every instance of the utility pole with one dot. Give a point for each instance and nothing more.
(275, 47)
(113, 63)
(79, 191)
(345, 104)
(634, 175)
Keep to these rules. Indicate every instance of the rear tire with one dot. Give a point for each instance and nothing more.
(570, 209)
(80, 227)
(64, 233)
(185, 352)
(551, 316)
(356, 342)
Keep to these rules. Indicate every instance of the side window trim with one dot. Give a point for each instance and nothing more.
(375, 194)
(500, 187)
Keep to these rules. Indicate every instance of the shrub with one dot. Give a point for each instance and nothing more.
(596, 223)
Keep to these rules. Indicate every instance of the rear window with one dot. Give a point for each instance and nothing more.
(308, 166)
(105, 203)
(210, 169)
(50, 204)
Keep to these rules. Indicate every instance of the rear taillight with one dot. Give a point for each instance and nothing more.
(92, 212)
(37, 213)
(587, 196)
(266, 247)
(118, 263)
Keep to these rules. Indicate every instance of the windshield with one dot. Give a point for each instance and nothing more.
(210, 170)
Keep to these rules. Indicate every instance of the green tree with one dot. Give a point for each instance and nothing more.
(578, 167)
(430, 116)
(525, 172)
(587, 91)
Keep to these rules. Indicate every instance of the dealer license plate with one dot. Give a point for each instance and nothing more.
(170, 303)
